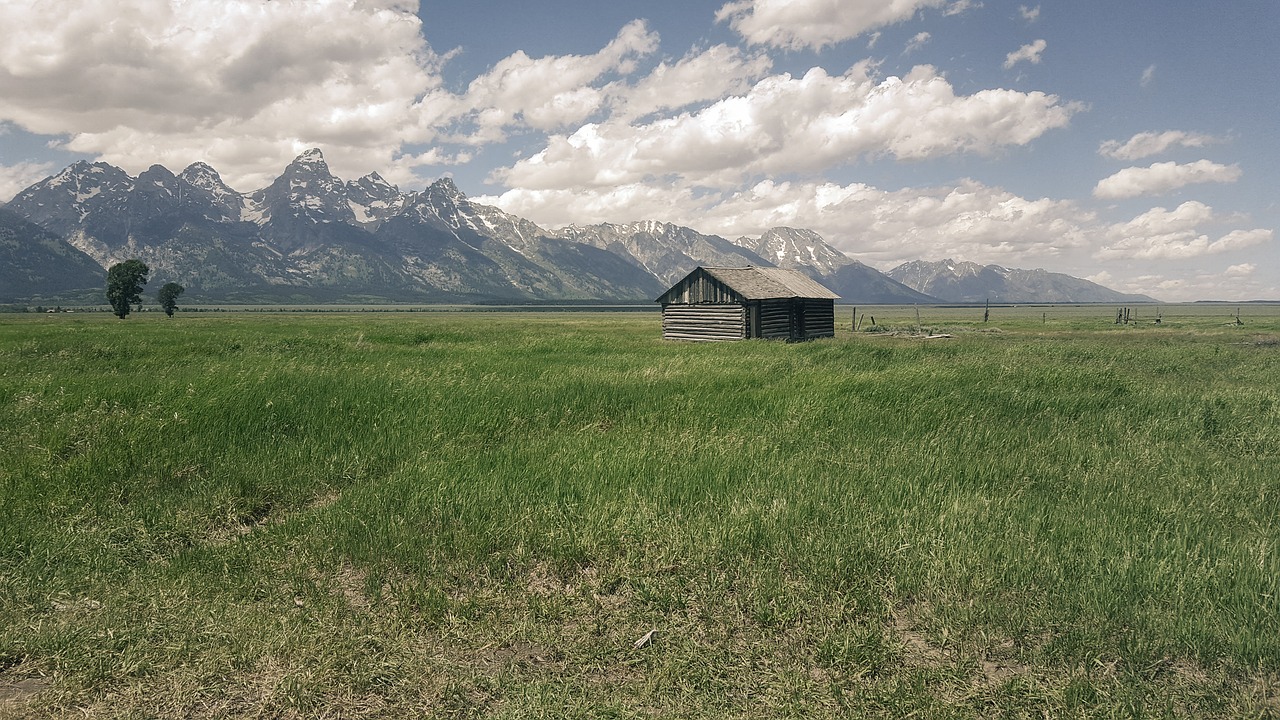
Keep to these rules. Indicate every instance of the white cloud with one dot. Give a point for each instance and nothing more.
(1232, 284)
(1241, 270)
(1161, 234)
(1029, 53)
(16, 178)
(786, 124)
(961, 6)
(970, 220)
(1029, 14)
(1147, 144)
(1147, 76)
(238, 83)
(916, 42)
(709, 75)
(800, 24)
(546, 94)
(1163, 177)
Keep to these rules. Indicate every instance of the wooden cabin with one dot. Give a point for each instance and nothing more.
(750, 302)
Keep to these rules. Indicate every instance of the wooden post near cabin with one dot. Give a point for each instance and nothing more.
(917, 319)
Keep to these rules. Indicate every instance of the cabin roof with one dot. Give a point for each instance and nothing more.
(764, 283)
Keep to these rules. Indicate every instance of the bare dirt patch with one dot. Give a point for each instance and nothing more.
(19, 691)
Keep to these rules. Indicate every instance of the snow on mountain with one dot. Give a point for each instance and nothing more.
(202, 177)
(310, 235)
(306, 191)
(667, 251)
(60, 202)
(372, 200)
(796, 249)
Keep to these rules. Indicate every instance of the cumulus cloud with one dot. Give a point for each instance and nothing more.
(544, 93)
(787, 124)
(239, 84)
(801, 24)
(1029, 14)
(968, 220)
(15, 178)
(1163, 177)
(175, 82)
(1162, 234)
(1029, 53)
(698, 77)
(1197, 285)
(1146, 144)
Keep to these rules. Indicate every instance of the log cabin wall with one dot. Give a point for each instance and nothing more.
(704, 322)
(819, 318)
(775, 319)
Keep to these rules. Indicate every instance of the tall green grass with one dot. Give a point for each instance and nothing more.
(455, 514)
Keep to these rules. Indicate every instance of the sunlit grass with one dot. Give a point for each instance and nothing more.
(453, 514)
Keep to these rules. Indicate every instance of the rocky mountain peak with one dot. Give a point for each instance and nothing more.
(158, 174)
(373, 187)
(306, 190)
(796, 248)
(446, 189)
(202, 176)
(311, 157)
(372, 199)
(228, 202)
(61, 201)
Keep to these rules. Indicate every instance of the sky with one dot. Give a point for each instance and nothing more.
(1130, 143)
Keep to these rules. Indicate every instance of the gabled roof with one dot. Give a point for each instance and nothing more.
(734, 285)
(762, 283)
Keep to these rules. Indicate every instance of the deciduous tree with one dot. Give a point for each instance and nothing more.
(124, 286)
(168, 297)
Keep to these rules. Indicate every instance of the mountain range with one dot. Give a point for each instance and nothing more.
(312, 237)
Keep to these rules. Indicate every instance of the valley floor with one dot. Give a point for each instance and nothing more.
(561, 515)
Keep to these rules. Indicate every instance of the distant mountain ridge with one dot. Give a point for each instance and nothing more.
(968, 282)
(310, 236)
(37, 264)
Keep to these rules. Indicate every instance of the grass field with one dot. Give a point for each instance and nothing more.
(480, 515)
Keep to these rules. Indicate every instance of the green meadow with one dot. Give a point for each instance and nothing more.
(523, 515)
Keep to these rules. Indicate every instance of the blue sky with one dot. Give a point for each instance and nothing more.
(1132, 143)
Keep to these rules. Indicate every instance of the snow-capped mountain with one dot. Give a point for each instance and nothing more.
(310, 236)
(216, 194)
(372, 200)
(968, 282)
(807, 251)
(796, 249)
(63, 201)
(666, 251)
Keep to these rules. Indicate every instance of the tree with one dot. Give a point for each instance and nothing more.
(124, 285)
(168, 297)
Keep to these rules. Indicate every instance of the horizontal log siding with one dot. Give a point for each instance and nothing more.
(819, 318)
(704, 322)
(775, 319)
